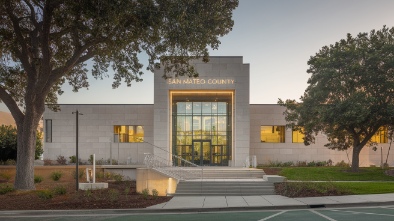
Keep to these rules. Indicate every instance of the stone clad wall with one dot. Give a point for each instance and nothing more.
(96, 131)
(272, 114)
(220, 73)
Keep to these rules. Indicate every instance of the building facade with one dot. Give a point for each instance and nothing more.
(206, 120)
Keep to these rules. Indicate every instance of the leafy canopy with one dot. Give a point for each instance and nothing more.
(49, 42)
(350, 93)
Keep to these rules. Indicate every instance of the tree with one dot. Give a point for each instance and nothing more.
(46, 43)
(8, 143)
(350, 95)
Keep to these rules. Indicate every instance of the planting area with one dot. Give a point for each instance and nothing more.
(333, 181)
(55, 190)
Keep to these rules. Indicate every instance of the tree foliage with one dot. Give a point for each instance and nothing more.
(8, 143)
(47, 43)
(350, 95)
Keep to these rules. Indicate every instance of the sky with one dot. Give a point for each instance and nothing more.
(276, 37)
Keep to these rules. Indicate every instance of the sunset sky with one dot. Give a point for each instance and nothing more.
(276, 37)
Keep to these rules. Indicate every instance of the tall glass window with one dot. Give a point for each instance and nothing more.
(202, 128)
(48, 131)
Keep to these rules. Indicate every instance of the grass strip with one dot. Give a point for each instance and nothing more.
(334, 174)
(312, 189)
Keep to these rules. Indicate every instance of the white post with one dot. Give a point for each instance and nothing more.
(381, 157)
(87, 175)
(94, 168)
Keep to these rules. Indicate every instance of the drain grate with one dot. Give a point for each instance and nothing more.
(317, 206)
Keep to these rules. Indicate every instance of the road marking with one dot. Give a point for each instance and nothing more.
(272, 216)
(322, 215)
(354, 212)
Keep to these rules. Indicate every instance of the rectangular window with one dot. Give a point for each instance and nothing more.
(48, 131)
(298, 136)
(128, 134)
(380, 136)
(272, 134)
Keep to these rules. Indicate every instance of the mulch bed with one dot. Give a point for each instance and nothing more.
(119, 195)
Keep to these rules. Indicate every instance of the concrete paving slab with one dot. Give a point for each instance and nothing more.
(236, 201)
(315, 200)
(277, 200)
(215, 202)
(375, 197)
(347, 199)
(256, 201)
(185, 202)
(157, 206)
(199, 202)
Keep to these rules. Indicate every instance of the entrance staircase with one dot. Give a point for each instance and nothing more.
(226, 181)
(194, 180)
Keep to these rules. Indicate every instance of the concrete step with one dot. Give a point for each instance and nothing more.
(238, 187)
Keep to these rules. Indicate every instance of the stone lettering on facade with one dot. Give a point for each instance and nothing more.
(200, 81)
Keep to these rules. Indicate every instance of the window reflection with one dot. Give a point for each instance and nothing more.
(272, 134)
(202, 123)
(128, 134)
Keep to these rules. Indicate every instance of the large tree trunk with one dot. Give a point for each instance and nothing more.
(24, 179)
(356, 158)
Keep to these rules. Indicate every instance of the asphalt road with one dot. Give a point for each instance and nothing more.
(333, 214)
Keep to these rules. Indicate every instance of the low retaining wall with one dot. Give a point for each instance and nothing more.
(150, 179)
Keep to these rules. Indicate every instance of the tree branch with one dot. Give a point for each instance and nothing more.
(24, 55)
(32, 14)
(12, 106)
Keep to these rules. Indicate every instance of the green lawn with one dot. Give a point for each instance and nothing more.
(302, 189)
(366, 187)
(334, 174)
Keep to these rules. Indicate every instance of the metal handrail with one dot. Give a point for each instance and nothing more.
(169, 168)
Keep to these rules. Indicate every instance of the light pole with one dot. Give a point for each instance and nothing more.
(76, 149)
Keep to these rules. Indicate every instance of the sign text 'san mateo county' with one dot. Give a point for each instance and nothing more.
(200, 81)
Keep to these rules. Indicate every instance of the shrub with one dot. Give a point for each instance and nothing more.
(127, 190)
(61, 160)
(10, 162)
(113, 194)
(90, 160)
(81, 173)
(117, 177)
(88, 193)
(288, 164)
(100, 162)
(7, 176)
(100, 175)
(56, 175)
(38, 179)
(73, 159)
(155, 193)
(145, 193)
(342, 164)
(47, 162)
(5, 189)
(60, 190)
(301, 164)
(114, 162)
(44, 194)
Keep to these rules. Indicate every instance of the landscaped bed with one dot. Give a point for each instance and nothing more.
(335, 181)
(62, 194)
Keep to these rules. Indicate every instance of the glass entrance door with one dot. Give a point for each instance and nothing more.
(202, 152)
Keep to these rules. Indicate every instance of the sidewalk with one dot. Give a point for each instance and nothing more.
(271, 202)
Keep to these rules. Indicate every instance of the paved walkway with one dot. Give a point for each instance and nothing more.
(271, 202)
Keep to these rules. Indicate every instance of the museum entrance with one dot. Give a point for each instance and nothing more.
(202, 127)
